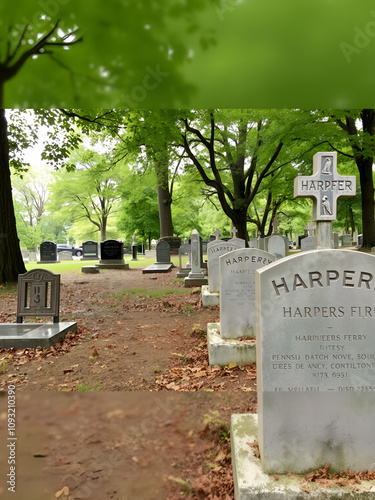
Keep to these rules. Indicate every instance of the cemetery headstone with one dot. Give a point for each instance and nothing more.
(38, 295)
(196, 276)
(90, 250)
(360, 240)
(65, 255)
(253, 243)
(299, 240)
(32, 256)
(276, 246)
(214, 250)
(232, 340)
(308, 243)
(48, 252)
(163, 262)
(335, 240)
(134, 249)
(234, 239)
(183, 250)
(25, 255)
(112, 255)
(163, 253)
(324, 187)
(174, 243)
(237, 290)
(346, 240)
(316, 362)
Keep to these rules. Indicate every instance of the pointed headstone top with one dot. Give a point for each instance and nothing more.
(217, 233)
(234, 232)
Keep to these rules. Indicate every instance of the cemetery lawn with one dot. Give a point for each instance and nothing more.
(136, 332)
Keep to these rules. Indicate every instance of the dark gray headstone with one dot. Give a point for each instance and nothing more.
(48, 251)
(111, 250)
(90, 249)
(163, 253)
(38, 294)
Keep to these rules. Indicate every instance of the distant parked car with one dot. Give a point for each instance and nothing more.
(77, 252)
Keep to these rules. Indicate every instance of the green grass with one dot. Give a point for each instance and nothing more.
(84, 387)
(8, 288)
(144, 292)
(75, 265)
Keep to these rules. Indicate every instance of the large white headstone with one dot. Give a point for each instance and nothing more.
(237, 290)
(316, 362)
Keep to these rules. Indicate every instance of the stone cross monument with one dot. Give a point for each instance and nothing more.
(324, 187)
(310, 228)
(233, 232)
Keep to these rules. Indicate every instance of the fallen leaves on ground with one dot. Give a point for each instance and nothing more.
(192, 373)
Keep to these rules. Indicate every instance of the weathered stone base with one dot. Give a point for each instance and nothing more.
(182, 273)
(209, 298)
(112, 264)
(90, 269)
(195, 281)
(157, 268)
(251, 483)
(32, 335)
(224, 351)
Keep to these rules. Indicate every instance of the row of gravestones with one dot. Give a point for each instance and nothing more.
(109, 250)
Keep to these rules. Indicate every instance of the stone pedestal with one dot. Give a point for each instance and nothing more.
(209, 298)
(224, 351)
(251, 483)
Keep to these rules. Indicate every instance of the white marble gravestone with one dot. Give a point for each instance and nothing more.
(237, 290)
(316, 362)
(276, 246)
(196, 276)
(232, 339)
(215, 249)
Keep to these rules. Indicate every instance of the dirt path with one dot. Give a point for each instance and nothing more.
(165, 432)
(137, 446)
(135, 332)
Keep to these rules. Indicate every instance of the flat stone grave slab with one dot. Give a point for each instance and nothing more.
(33, 335)
(252, 483)
(90, 269)
(157, 268)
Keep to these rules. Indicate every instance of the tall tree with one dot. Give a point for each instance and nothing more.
(89, 191)
(14, 58)
(358, 127)
(237, 152)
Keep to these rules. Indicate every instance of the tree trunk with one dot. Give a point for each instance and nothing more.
(367, 190)
(103, 229)
(11, 262)
(164, 199)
